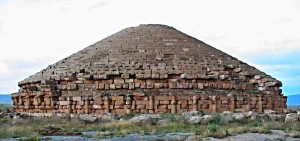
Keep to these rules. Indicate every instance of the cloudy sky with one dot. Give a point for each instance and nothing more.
(36, 33)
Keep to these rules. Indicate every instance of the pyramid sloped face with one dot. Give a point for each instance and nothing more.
(150, 51)
(152, 60)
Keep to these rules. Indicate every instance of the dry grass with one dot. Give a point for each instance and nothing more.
(218, 128)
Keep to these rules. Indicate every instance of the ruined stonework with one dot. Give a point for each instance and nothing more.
(149, 69)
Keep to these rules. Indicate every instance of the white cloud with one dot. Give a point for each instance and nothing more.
(17, 70)
(4, 70)
(0, 25)
(98, 5)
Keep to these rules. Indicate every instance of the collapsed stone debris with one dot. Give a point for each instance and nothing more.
(149, 69)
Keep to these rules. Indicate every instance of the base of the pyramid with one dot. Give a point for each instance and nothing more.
(150, 104)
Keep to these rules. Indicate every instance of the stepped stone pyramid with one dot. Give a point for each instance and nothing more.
(149, 69)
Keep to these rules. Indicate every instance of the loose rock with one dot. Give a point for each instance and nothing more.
(239, 116)
(145, 118)
(194, 119)
(292, 117)
(187, 115)
(108, 117)
(207, 118)
(252, 115)
(269, 112)
(88, 118)
(276, 117)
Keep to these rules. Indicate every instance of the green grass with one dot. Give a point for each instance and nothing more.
(5, 106)
(215, 128)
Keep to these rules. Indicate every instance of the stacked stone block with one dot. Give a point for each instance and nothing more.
(149, 69)
(157, 104)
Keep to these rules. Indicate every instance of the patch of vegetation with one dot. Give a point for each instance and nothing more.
(2, 106)
(172, 117)
(213, 127)
(218, 127)
(129, 115)
(218, 119)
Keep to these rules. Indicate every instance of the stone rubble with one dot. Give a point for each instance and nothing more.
(145, 118)
(292, 117)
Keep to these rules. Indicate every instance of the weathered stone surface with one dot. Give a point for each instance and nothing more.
(207, 118)
(187, 115)
(146, 119)
(88, 118)
(148, 62)
(292, 117)
(239, 116)
(277, 117)
(269, 112)
(194, 119)
(107, 117)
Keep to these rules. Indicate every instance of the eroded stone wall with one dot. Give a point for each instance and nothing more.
(132, 95)
(148, 104)
(155, 68)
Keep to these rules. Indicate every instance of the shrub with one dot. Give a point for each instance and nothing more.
(171, 117)
(217, 119)
(213, 127)
(220, 134)
(256, 122)
(128, 115)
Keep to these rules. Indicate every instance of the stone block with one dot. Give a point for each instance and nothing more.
(63, 103)
(119, 81)
(126, 76)
(131, 86)
(77, 98)
(120, 111)
(166, 102)
(141, 106)
(150, 85)
(162, 97)
(112, 86)
(129, 80)
(172, 85)
(118, 98)
(162, 106)
(155, 76)
(158, 85)
(204, 101)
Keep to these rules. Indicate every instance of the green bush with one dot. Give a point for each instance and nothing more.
(217, 119)
(213, 127)
(256, 123)
(171, 117)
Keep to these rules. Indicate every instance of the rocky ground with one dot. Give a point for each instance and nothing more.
(276, 135)
(188, 126)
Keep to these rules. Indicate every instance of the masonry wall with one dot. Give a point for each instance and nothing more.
(149, 69)
(132, 95)
(148, 104)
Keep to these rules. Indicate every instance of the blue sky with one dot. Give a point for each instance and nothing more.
(36, 33)
(284, 67)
